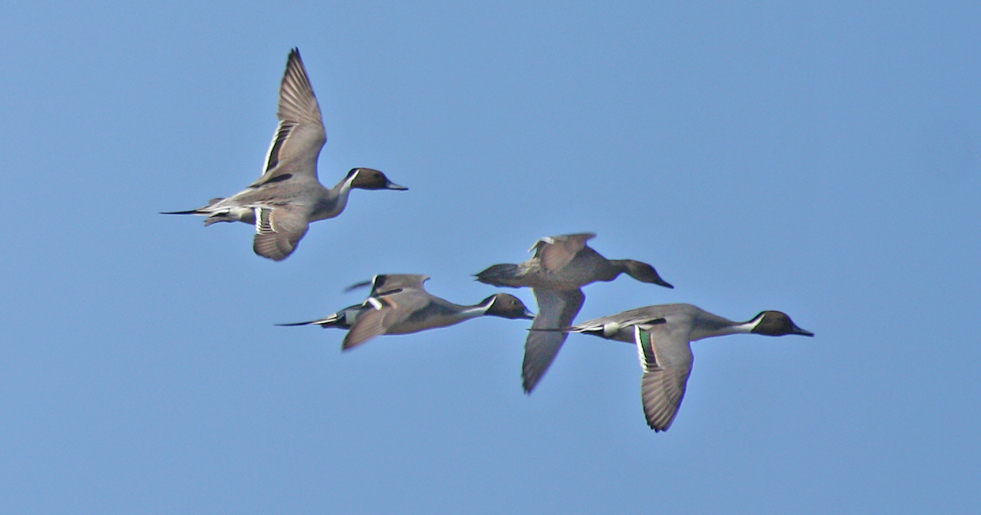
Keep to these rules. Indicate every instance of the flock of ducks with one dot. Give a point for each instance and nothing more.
(288, 196)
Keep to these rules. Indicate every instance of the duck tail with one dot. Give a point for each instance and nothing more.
(297, 324)
(334, 320)
(567, 329)
(189, 212)
(498, 275)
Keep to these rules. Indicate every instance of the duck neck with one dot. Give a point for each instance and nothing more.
(467, 312)
(334, 201)
(474, 311)
(709, 326)
(617, 267)
(477, 310)
(341, 192)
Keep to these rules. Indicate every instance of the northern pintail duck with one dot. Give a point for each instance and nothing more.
(560, 267)
(400, 304)
(663, 335)
(288, 196)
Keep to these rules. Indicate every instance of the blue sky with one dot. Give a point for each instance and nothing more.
(820, 158)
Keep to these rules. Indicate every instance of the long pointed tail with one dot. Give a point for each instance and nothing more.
(297, 324)
(191, 212)
(199, 211)
(339, 320)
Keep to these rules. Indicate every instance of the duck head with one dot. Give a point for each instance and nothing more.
(505, 305)
(371, 179)
(777, 323)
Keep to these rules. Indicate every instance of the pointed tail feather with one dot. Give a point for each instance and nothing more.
(341, 320)
(297, 324)
(199, 211)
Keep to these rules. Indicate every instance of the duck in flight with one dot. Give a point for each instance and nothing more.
(560, 267)
(663, 335)
(282, 203)
(400, 304)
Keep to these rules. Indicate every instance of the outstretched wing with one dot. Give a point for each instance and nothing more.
(555, 252)
(556, 309)
(388, 311)
(383, 284)
(278, 231)
(300, 134)
(667, 362)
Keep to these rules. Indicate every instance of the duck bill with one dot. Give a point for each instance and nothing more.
(662, 282)
(392, 186)
(528, 314)
(798, 330)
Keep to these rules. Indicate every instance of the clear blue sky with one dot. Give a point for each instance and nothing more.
(820, 158)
